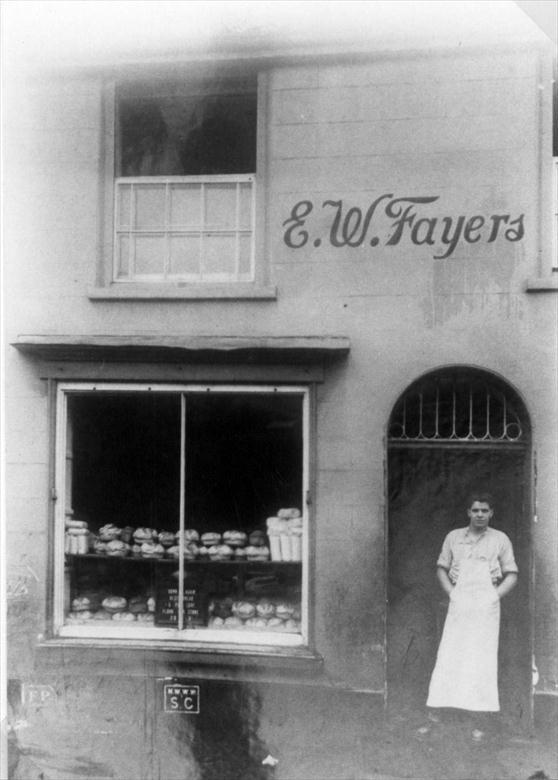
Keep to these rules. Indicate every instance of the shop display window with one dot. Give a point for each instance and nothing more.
(183, 516)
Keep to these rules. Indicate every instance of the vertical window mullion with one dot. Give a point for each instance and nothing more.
(182, 503)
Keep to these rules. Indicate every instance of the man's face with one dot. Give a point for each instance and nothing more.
(479, 514)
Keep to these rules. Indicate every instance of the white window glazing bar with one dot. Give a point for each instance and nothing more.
(237, 230)
(202, 230)
(555, 219)
(132, 234)
(304, 618)
(60, 511)
(127, 272)
(166, 260)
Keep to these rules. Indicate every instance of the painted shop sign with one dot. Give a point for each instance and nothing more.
(401, 219)
(178, 697)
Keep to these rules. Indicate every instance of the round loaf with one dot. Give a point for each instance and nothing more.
(220, 552)
(288, 513)
(210, 538)
(243, 609)
(257, 553)
(81, 603)
(117, 548)
(152, 550)
(124, 616)
(137, 604)
(114, 604)
(235, 538)
(144, 535)
(102, 614)
(257, 539)
(265, 608)
(166, 538)
(109, 532)
(233, 622)
(284, 611)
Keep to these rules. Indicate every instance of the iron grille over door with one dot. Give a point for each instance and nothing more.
(458, 406)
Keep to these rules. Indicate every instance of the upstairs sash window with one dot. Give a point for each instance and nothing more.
(186, 181)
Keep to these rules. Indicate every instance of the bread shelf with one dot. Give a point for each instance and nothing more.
(143, 559)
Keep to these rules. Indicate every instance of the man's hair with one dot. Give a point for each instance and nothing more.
(481, 496)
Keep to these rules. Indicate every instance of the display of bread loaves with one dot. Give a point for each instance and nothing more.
(246, 609)
(250, 614)
(281, 543)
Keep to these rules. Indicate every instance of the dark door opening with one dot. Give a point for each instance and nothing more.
(428, 484)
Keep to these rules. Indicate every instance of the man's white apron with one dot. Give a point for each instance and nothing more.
(466, 671)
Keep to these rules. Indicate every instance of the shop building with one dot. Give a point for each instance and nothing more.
(307, 298)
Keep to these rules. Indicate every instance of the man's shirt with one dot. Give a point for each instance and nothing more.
(491, 545)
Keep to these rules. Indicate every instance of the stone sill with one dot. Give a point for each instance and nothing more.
(184, 292)
(133, 659)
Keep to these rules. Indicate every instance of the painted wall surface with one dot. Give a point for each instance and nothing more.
(462, 132)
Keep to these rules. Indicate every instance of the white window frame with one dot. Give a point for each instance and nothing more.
(105, 289)
(189, 637)
(555, 213)
(202, 230)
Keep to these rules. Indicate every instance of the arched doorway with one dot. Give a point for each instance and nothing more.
(452, 431)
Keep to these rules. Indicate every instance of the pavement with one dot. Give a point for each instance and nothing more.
(391, 750)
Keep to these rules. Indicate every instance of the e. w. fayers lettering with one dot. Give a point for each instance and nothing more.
(401, 220)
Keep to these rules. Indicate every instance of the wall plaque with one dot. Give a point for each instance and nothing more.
(178, 697)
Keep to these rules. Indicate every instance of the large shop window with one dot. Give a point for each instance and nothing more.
(181, 513)
(186, 181)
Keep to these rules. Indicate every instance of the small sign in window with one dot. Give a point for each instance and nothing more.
(178, 697)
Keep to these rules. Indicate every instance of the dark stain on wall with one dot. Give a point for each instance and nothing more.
(225, 742)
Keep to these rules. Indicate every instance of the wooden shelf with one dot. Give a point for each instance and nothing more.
(143, 559)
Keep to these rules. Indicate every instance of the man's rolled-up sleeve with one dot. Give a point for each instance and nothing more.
(506, 558)
(445, 557)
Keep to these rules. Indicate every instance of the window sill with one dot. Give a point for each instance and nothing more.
(120, 658)
(182, 292)
(542, 284)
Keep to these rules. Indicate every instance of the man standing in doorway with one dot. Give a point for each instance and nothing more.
(476, 568)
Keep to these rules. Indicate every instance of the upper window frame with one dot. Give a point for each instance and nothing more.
(106, 288)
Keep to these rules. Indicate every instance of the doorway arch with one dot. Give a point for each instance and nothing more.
(454, 430)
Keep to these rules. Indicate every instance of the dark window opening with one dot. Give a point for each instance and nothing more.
(184, 511)
(187, 130)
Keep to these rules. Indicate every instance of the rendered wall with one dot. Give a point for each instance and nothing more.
(464, 129)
